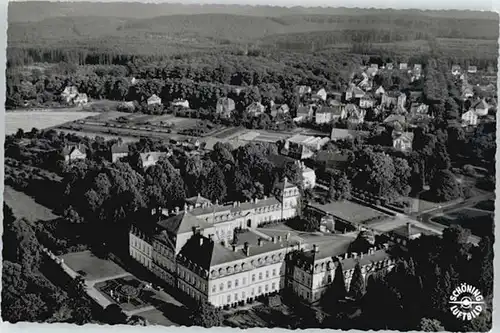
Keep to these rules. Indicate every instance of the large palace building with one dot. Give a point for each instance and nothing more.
(218, 252)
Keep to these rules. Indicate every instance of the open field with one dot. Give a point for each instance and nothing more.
(91, 267)
(24, 206)
(26, 120)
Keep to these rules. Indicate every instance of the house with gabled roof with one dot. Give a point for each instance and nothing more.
(402, 141)
(117, 151)
(354, 92)
(320, 95)
(151, 158)
(456, 70)
(81, 99)
(74, 152)
(481, 108)
(403, 66)
(255, 109)
(69, 93)
(183, 103)
(225, 106)
(303, 90)
(469, 118)
(366, 102)
(304, 113)
(154, 100)
(380, 91)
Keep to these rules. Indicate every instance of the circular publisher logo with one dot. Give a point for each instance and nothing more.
(466, 302)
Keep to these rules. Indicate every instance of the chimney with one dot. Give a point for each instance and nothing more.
(346, 255)
(315, 248)
(185, 207)
(361, 255)
(259, 242)
(246, 248)
(235, 204)
(386, 246)
(274, 239)
(191, 207)
(234, 248)
(279, 238)
(287, 237)
(256, 200)
(408, 228)
(354, 255)
(177, 210)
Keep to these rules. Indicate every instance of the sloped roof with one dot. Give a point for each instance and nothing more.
(69, 148)
(119, 148)
(395, 117)
(182, 223)
(481, 105)
(154, 155)
(197, 200)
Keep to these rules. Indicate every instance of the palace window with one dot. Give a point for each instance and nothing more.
(260, 290)
(267, 274)
(243, 294)
(228, 284)
(236, 283)
(274, 271)
(253, 277)
(244, 281)
(221, 287)
(266, 287)
(235, 297)
(229, 298)
(214, 288)
(260, 276)
(273, 286)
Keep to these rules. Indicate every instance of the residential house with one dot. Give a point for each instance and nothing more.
(469, 118)
(403, 66)
(417, 68)
(183, 103)
(133, 81)
(380, 91)
(472, 69)
(256, 108)
(481, 108)
(308, 176)
(389, 66)
(402, 141)
(73, 152)
(304, 113)
(374, 66)
(343, 134)
(419, 108)
(81, 99)
(355, 116)
(327, 114)
(117, 151)
(303, 90)
(279, 109)
(335, 95)
(320, 95)
(455, 70)
(154, 100)
(371, 71)
(126, 106)
(312, 143)
(354, 92)
(151, 158)
(225, 106)
(467, 92)
(366, 102)
(395, 118)
(69, 93)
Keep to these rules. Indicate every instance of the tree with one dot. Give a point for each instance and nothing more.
(357, 287)
(114, 315)
(336, 291)
(215, 185)
(206, 315)
(431, 325)
(444, 186)
(339, 189)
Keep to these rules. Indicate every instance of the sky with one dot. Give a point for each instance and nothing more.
(397, 4)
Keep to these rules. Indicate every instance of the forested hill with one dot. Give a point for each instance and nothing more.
(40, 10)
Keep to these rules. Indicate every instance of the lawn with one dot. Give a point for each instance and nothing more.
(26, 120)
(91, 267)
(479, 222)
(24, 206)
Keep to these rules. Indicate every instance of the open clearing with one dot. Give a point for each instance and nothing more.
(24, 206)
(91, 267)
(26, 120)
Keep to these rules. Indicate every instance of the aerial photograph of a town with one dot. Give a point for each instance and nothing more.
(249, 166)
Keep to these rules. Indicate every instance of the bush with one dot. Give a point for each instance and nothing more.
(469, 170)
